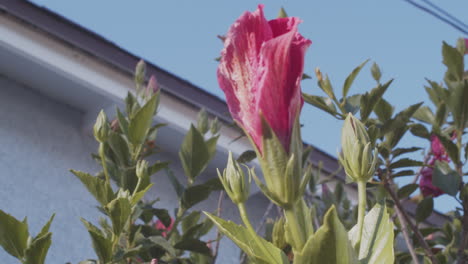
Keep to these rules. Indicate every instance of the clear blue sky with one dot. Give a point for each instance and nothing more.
(180, 36)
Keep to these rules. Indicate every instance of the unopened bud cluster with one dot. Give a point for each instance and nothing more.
(101, 127)
(234, 181)
(358, 157)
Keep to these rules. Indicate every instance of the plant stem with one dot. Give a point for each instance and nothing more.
(102, 155)
(298, 234)
(251, 230)
(218, 232)
(361, 209)
(404, 229)
(462, 258)
(406, 219)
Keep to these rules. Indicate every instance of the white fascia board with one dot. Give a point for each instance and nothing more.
(85, 70)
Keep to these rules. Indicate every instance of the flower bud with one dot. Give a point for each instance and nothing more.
(358, 158)
(318, 73)
(152, 87)
(140, 71)
(215, 126)
(234, 183)
(142, 168)
(203, 121)
(101, 127)
(278, 234)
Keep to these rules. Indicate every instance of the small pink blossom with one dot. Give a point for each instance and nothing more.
(260, 73)
(425, 184)
(438, 149)
(154, 261)
(160, 226)
(152, 86)
(439, 154)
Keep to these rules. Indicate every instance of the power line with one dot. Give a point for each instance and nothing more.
(449, 19)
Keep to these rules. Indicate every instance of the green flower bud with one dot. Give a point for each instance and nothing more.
(203, 121)
(215, 126)
(140, 71)
(278, 235)
(101, 127)
(358, 158)
(142, 168)
(234, 182)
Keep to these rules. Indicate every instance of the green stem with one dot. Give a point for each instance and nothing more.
(296, 227)
(361, 209)
(251, 230)
(102, 155)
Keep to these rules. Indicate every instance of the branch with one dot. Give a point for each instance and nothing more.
(218, 233)
(406, 219)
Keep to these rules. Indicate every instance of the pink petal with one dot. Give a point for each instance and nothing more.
(282, 62)
(426, 186)
(238, 67)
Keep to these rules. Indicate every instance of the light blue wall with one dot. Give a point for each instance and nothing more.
(40, 140)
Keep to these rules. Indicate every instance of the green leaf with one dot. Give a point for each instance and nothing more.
(119, 212)
(321, 102)
(123, 123)
(195, 194)
(207, 226)
(211, 146)
(424, 209)
(247, 156)
(457, 103)
(453, 59)
(141, 122)
(194, 153)
(163, 216)
(239, 235)
(376, 245)
(405, 162)
(369, 100)
(157, 166)
(45, 228)
(193, 245)
(383, 110)
(375, 71)
(329, 244)
(120, 148)
(420, 131)
(403, 173)
(326, 86)
(136, 197)
(424, 114)
(100, 189)
(306, 76)
(190, 220)
(178, 187)
(450, 147)
(350, 79)
(400, 151)
(13, 235)
(163, 243)
(37, 250)
(102, 245)
(445, 178)
(352, 104)
(407, 190)
(441, 114)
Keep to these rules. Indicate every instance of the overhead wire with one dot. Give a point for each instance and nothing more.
(440, 14)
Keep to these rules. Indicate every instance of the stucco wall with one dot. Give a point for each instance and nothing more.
(41, 139)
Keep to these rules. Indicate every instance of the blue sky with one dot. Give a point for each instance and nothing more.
(180, 36)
